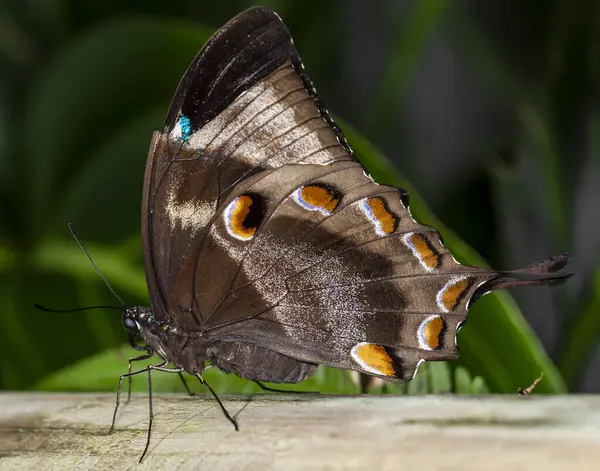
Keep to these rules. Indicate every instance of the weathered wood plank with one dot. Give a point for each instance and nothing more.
(69, 431)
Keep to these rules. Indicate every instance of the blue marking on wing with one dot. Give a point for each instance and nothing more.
(186, 127)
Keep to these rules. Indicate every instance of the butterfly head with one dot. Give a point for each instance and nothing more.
(137, 321)
(134, 317)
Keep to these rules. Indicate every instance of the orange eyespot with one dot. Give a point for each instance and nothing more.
(373, 358)
(379, 215)
(422, 250)
(430, 332)
(235, 216)
(450, 295)
(316, 198)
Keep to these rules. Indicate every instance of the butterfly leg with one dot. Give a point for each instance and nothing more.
(225, 412)
(150, 414)
(185, 385)
(160, 367)
(145, 356)
(118, 401)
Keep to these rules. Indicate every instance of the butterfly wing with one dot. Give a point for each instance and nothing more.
(337, 272)
(265, 234)
(244, 105)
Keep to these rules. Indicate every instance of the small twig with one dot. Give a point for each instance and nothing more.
(529, 390)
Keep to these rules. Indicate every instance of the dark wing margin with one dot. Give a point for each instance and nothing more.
(155, 291)
(244, 51)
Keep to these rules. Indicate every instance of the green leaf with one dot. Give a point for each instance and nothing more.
(439, 376)
(478, 386)
(424, 19)
(65, 257)
(95, 88)
(102, 193)
(539, 132)
(484, 59)
(434, 377)
(464, 383)
(496, 343)
(582, 337)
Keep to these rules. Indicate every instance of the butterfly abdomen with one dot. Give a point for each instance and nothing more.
(258, 363)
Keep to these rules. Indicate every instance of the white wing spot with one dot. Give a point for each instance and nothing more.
(191, 215)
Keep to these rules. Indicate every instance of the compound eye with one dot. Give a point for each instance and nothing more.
(131, 325)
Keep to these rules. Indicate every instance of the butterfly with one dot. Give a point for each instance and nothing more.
(270, 250)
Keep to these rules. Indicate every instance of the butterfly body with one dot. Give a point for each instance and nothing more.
(190, 351)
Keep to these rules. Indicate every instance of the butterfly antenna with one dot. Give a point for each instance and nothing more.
(47, 309)
(78, 240)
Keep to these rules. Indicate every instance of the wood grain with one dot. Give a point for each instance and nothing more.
(293, 432)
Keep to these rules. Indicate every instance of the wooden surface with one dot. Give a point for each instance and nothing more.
(294, 432)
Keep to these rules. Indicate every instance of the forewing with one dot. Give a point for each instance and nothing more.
(244, 106)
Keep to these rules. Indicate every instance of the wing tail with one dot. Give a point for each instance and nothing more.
(541, 273)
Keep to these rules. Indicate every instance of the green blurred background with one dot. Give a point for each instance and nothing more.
(488, 109)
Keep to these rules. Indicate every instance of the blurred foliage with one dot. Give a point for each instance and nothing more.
(84, 84)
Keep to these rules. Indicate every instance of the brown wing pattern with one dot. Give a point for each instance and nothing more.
(244, 106)
(265, 235)
(336, 271)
